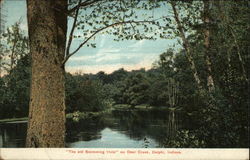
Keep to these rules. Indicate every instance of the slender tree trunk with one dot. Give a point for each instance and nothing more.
(224, 18)
(12, 58)
(210, 79)
(239, 55)
(47, 25)
(186, 47)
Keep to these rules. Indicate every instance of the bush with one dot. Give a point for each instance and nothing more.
(185, 139)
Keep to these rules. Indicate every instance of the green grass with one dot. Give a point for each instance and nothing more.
(13, 119)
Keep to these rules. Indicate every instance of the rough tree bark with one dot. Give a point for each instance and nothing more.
(186, 47)
(47, 25)
(206, 20)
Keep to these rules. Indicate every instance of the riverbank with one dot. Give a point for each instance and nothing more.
(126, 129)
(76, 116)
(8, 120)
(139, 107)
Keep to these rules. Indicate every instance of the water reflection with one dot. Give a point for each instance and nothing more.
(118, 129)
(13, 135)
(112, 139)
(136, 129)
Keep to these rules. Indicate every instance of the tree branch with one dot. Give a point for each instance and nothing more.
(239, 54)
(132, 27)
(100, 30)
(72, 29)
(83, 4)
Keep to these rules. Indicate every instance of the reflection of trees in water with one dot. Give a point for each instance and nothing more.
(172, 124)
(13, 134)
(2, 137)
(142, 124)
(84, 130)
(137, 125)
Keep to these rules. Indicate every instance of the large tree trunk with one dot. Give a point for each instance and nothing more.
(186, 47)
(47, 25)
(210, 80)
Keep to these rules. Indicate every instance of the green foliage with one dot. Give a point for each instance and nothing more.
(14, 86)
(13, 46)
(135, 89)
(221, 123)
(84, 94)
(185, 139)
(124, 20)
(218, 118)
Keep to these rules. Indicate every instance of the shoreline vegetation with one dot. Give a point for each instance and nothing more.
(77, 115)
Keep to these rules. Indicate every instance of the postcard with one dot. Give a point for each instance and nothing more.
(124, 79)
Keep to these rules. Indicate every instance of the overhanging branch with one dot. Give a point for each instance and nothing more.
(100, 30)
(83, 4)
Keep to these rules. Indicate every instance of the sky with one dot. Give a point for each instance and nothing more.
(108, 56)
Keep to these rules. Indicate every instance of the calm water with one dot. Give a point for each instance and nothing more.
(119, 129)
